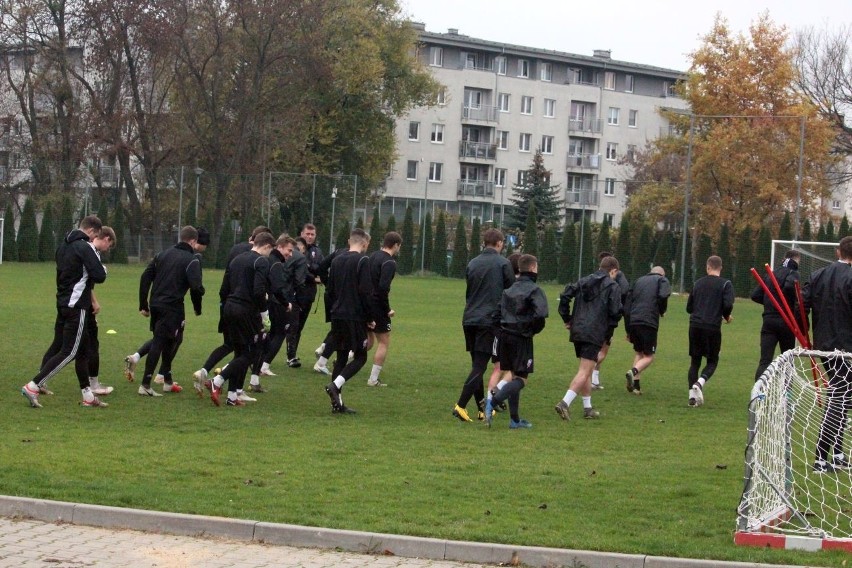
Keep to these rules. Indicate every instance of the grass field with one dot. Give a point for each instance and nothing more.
(651, 476)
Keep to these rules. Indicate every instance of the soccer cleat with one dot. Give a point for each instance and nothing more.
(637, 392)
(691, 399)
(629, 376)
(215, 393)
(42, 390)
(236, 402)
(376, 383)
(245, 398)
(343, 409)
(94, 402)
(130, 368)
(562, 410)
(461, 414)
(334, 394)
(821, 466)
(294, 363)
(597, 386)
(147, 391)
(489, 412)
(318, 351)
(519, 424)
(198, 379)
(257, 388)
(31, 396)
(590, 413)
(697, 394)
(840, 462)
(267, 373)
(102, 390)
(321, 369)
(173, 387)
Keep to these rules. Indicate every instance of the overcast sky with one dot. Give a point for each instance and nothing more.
(653, 32)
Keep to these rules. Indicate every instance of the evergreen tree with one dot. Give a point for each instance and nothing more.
(47, 236)
(376, 234)
(226, 241)
(785, 230)
(530, 244)
(623, 247)
(10, 247)
(459, 263)
(724, 251)
(644, 254)
(743, 282)
(763, 248)
(359, 224)
(391, 226)
(426, 259)
(341, 240)
(549, 255)
(537, 190)
(188, 213)
(702, 253)
(475, 238)
(685, 263)
(509, 249)
(566, 269)
(605, 238)
(66, 218)
(118, 254)
(589, 259)
(103, 210)
(821, 235)
(28, 234)
(439, 258)
(807, 234)
(406, 251)
(844, 228)
(829, 232)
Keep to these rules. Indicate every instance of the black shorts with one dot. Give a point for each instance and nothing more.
(586, 350)
(240, 325)
(643, 338)
(704, 342)
(481, 339)
(349, 335)
(610, 331)
(168, 324)
(516, 354)
(383, 325)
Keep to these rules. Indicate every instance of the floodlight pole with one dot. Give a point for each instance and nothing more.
(423, 236)
(333, 202)
(686, 204)
(198, 172)
(799, 178)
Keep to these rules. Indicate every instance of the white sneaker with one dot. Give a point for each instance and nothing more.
(376, 383)
(102, 390)
(318, 351)
(321, 369)
(198, 378)
(245, 398)
(147, 391)
(698, 394)
(130, 368)
(267, 372)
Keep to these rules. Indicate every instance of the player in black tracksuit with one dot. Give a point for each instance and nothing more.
(302, 280)
(306, 294)
(711, 301)
(326, 348)
(382, 272)
(281, 278)
(350, 289)
(774, 331)
(646, 303)
(828, 297)
(167, 278)
(78, 269)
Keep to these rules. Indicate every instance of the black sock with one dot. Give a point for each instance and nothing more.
(636, 384)
(635, 371)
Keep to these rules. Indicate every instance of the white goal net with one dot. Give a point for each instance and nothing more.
(792, 413)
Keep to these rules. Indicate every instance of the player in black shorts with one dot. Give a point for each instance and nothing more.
(597, 301)
(523, 309)
(623, 286)
(711, 302)
(646, 303)
(382, 271)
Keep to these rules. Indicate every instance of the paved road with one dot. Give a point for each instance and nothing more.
(34, 543)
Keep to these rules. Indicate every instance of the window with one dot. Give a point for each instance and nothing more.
(442, 97)
(503, 102)
(549, 108)
(436, 170)
(609, 187)
(608, 218)
(523, 68)
(526, 105)
(500, 63)
(438, 133)
(835, 204)
(631, 119)
(522, 177)
(546, 71)
(547, 144)
(436, 56)
(628, 83)
(414, 131)
(524, 145)
(609, 80)
(613, 116)
(500, 177)
(611, 151)
(631, 152)
(411, 172)
(502, 139)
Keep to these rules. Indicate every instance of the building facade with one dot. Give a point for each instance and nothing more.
(502, 102)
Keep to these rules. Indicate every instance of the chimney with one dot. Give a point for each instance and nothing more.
(603, 53)
(418, 26)
(453, 31)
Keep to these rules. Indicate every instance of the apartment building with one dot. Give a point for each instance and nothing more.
(500, 103)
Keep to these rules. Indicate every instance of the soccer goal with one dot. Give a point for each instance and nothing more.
(785, 503)
(814, 255)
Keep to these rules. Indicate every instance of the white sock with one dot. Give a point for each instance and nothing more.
(501, 384)
(374, 373)
(87, 394)
(218, 381)
(93, 382)
(490, 395)
(596, 377)
(701, 382)
(32, 387)
(232, 395)
(320, 349)
(203, 373)
(254, 381)
(339, 382)
(135, 357)
(322, 361)
(569, 397)
(263, 368)
(587, 402)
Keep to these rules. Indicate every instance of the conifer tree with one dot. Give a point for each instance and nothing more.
(589, 259)
(475, 238)
(548, 257)
(406, 251)
(743, 282)
(10, 247)
(47, 236)
(459, 263)
(103, 210)
(724, 250)
(624, 247)
(806, 235)
(537, 190)
(391, 226)
(566, 268)
(702, 253)
(376, 234)
(341, 240)
(821, 236)
(644, 254)
(829, 232)
(426, 259)
(530, 244)
(28, 234)
(843, 231)
(785, 230)
(605, 238)
(439, 258)
(66, 219)
(763, 248)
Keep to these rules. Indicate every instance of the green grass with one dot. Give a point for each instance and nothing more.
(652, 476)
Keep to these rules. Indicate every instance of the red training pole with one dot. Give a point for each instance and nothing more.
(803, 318)
(790, 324)
(789, 310)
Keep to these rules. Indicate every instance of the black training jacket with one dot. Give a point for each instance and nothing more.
(168, 276)
(488, 274)
(296, 271)
(787, 276)
(597, 302)
(349, 287)
(78, 269)
(523, 307)
(280, 281)
(313, 256)
(828, 296)
(647, 300)
(245, 281)
(711, 300)
(382, 271)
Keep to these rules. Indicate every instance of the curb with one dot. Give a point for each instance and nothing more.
(343, 540)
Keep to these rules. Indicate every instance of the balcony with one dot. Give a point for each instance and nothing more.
(584, 161)
(582, 197)
(590, 125)
(475, 188)
(477, 150)
(481, 113)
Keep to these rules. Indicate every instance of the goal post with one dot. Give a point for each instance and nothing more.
(786, 502)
